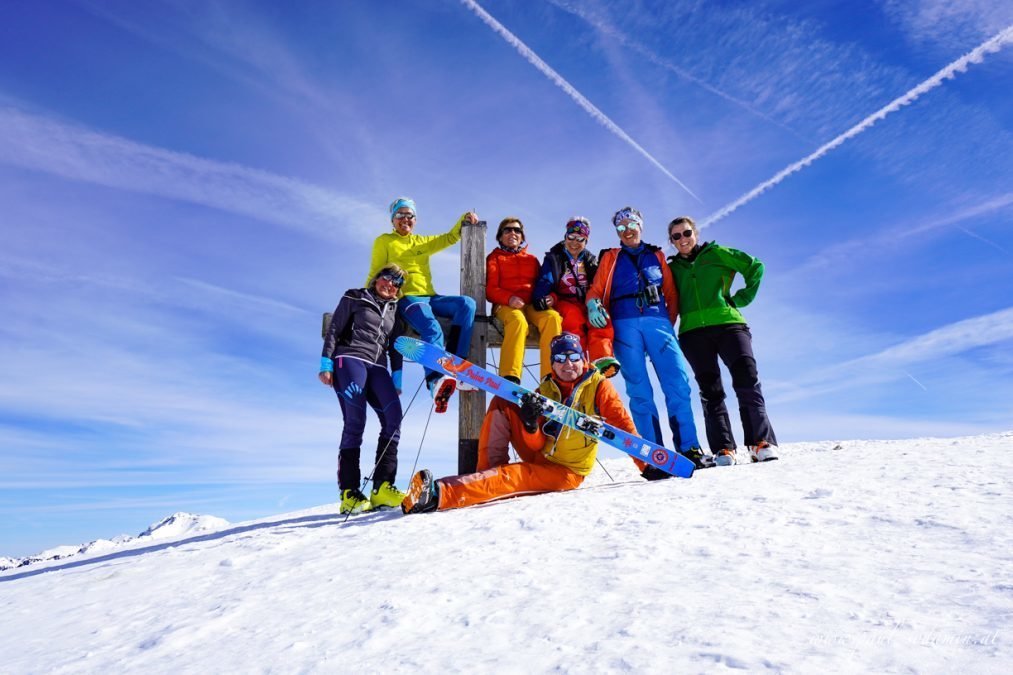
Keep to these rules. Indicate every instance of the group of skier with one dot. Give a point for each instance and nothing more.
(596, 316)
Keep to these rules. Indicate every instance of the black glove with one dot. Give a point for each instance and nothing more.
(531, 410)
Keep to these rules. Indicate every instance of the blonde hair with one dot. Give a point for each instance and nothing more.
(394, 269)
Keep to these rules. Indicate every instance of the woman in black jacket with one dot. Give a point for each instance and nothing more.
(354, 363)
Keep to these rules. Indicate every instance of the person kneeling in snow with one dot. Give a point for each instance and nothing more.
(553, 457)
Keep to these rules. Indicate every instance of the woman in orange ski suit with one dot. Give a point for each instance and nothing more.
(553, 458)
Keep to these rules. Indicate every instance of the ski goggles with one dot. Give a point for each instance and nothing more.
(576, 237)
(627, 225)
(572, 357)
(396, 279)
(676, 236)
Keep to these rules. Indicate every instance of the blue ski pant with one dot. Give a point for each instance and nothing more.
(359, 384)
(651, 337)
(421, 312)
(733, 344)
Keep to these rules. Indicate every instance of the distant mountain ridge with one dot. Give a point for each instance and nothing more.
(178, 524)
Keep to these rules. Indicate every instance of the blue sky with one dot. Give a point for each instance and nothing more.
(185, 187)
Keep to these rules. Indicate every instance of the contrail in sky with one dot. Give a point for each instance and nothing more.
(558, 80)
(634, 45)
(992, 45)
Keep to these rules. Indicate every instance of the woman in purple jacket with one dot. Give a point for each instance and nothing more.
(354, 363)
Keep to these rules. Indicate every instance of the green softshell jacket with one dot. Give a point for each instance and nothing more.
(705, 281)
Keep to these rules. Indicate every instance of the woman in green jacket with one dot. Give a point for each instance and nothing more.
(711, 326)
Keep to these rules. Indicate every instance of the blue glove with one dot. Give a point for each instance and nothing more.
(396, 376)
(596, 313)
(326, 365)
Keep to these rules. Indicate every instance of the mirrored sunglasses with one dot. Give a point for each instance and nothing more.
(631, 225)
(404, 216)
(397, 281)
(572, 357)
(676, 236)
(576, 237)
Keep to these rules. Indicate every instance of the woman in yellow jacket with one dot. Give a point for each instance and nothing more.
(420, 304)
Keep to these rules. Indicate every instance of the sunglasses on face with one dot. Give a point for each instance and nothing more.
(576, 237)
(515, 230)
(632, 225)
(396, 281)
(676, 236)
(404, 216)
(571, 357)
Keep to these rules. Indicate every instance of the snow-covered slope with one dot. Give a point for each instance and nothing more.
(173, 527)
(885, 556)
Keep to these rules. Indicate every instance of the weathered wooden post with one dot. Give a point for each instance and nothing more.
(472, 403)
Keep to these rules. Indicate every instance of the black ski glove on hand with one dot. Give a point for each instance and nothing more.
(531, 410)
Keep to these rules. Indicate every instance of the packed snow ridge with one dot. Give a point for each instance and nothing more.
(859, 556)
(172, 527)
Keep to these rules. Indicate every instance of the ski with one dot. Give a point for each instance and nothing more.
(435, 358)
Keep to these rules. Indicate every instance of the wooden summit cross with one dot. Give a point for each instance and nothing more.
(488, 333)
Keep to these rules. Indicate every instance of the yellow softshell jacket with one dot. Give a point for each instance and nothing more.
(412, 253)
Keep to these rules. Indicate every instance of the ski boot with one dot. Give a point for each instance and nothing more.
(651, 473)
(353, 501)
(697, 456)
(762, 452)
(386, 496)
(442, 388)
(423, 494)
(724, 457)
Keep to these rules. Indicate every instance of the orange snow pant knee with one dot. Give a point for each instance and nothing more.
(501, 428)
(515, 334)
(509, 480)
(597, 342)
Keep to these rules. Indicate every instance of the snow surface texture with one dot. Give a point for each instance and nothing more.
(884, 556)
(173, 527)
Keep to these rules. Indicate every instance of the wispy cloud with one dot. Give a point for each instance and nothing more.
(838, 255)
(75, 153)
(976, 55)
(560, 82)
(634, 45)
(948, 23)
(891, 363)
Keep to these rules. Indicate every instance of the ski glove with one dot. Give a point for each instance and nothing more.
(396, 378)
(596, 313)
(531, 410)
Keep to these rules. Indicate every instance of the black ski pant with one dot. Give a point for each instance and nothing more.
(733, 344)
(358, 384)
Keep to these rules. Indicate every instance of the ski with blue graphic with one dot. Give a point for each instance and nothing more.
(462, 370)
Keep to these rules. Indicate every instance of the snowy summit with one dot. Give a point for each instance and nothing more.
(172, 527)
(884, 556)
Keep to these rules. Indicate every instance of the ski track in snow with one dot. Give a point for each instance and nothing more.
(885, 556)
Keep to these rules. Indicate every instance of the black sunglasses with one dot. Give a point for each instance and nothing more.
(676, 236)
(512, 229)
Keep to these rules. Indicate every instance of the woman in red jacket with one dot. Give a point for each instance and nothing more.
(510, 275)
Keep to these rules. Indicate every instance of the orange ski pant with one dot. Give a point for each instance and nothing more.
(597, 341)
(495, 478)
